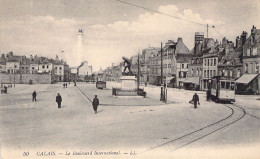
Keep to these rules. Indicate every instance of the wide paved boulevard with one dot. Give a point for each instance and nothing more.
(124, 126)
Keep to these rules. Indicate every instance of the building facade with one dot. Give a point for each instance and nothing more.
(249, 82)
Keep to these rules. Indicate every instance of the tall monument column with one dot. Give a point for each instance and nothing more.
(80, 46)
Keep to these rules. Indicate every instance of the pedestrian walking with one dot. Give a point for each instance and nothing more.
(208, 94)
(34, 94)
(59, 100)
(63, 85)
(5, 88)
(66, 85)
(95, 104)
(75, 84)
(195, 100)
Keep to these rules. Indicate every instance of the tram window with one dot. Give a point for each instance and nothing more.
(227, 85)
(222, 84)
(214, 84)
(232, 86)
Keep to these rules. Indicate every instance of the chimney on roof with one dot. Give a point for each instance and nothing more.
(31, 58)
(244, 37)
(253, 33)
(237, 40)
(179, 39)
(2, 56)
(9, 55)
(216, 42)
(224, 41)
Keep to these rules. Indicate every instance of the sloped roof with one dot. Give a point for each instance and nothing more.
(246, 78)
(183, 58)
(14, 59)
(233, 56)
(2, 62)
(25, 61)
(210, 55)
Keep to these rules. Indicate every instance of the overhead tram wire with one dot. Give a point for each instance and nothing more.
(190, 21)
(217, 31)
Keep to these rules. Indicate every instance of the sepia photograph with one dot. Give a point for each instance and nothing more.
(87, 79)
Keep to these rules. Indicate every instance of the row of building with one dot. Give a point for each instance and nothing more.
(193, 69)
(13, 64)
(57, 68)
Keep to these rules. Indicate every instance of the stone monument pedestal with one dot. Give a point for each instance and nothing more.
(128, 83)
(128, 87)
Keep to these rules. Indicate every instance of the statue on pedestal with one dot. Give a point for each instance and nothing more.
(127, 67)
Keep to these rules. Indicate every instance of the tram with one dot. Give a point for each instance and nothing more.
(100, 84)
(222, 89)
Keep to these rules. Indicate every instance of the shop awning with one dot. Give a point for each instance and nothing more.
(194, 80)
(246, 78)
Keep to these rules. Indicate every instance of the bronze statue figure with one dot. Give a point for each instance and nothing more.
(127, 67)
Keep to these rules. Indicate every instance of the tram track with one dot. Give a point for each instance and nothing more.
(84, 95)
(247, 112)
(237, 113)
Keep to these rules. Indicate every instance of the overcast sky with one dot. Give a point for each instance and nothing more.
(113, 29)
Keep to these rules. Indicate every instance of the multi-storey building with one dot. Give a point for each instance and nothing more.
(12, 63)
(25, 65)
(182, 68)
(209, 67)
(175, 55)
(44, 65)
(249, 82)
(34, 66)
(58, 71)
(84, 71)
(195, 73)
(144, 62)
(155, 68)
(2, 64)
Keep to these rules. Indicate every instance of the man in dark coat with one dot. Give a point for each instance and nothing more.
(5, 88)
(95, 104)
(66, 85)
(196, 100)
(34, 96)
(208, 94)
(59, 100)
(63, 85)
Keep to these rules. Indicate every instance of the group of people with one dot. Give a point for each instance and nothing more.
(95, 102)
(65, 85)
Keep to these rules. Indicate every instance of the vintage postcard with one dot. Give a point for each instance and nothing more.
(129, 79)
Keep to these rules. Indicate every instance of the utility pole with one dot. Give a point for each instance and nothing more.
(207, 31)
(14, 74)
(138, 72)
(162, 92)
(180, 77)
(208, 74)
